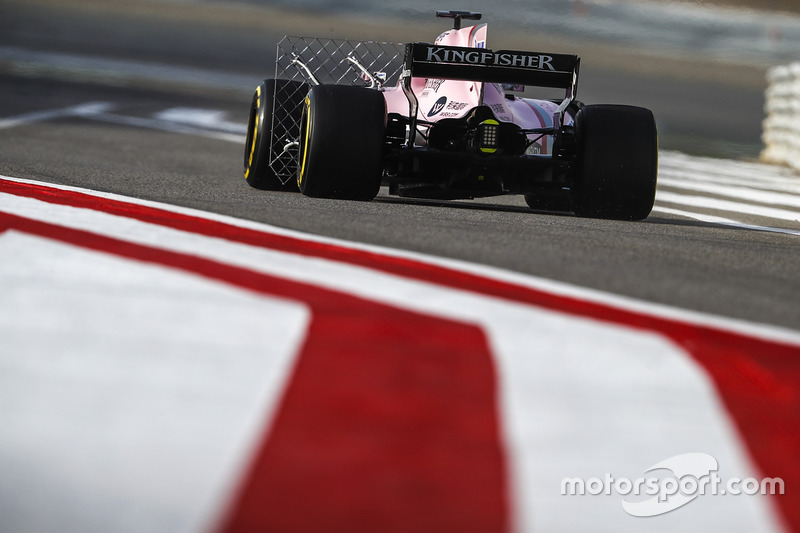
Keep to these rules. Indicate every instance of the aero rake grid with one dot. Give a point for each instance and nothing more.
(326, 60)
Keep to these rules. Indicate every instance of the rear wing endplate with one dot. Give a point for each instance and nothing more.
(423, 60)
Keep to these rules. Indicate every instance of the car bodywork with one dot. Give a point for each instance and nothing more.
(454, 127)
(516, 155)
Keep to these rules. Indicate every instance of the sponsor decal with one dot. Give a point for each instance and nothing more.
(438, 106)
(476, 56)
(457, 106)
(443, 36)
(501, 112)
(433, 83)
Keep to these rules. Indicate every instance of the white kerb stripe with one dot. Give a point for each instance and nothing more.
(131, 395)
(579, 397)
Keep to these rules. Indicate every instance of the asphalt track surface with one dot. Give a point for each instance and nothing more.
(729, 270)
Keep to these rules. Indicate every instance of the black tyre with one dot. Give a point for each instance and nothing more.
(274, 121)
(618, 162)
(341, 142)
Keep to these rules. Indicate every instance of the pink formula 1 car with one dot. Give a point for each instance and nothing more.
(341, 118)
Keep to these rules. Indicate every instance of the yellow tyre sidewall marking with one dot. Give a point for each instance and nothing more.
(255, 132)
(305, 141)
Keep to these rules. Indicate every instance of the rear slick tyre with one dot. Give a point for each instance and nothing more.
(618, 162)
(274, 116)
(341, 142)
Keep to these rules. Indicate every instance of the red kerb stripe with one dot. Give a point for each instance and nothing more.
(757, 379)
(389, 421)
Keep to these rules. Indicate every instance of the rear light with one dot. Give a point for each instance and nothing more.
(489, 135)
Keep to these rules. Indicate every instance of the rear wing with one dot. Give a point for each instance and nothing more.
(423, 60)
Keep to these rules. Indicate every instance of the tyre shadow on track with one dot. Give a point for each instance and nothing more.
(485, 206)
(493, 207)
(465, 204)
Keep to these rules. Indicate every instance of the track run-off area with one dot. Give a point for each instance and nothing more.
(199, 372)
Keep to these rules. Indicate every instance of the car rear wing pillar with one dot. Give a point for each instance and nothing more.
(423, 60)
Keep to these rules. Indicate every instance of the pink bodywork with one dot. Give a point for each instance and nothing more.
(440, 99)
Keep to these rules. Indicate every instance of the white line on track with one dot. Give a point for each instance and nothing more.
(199, 122)
(746, 173)
(726, 205)
(121, 72)
(169, 126)
(209, 119)
(87, 110)
(739, 193)
(761, 179)
(723, 221)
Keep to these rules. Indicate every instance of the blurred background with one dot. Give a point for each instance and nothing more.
(699, 66)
